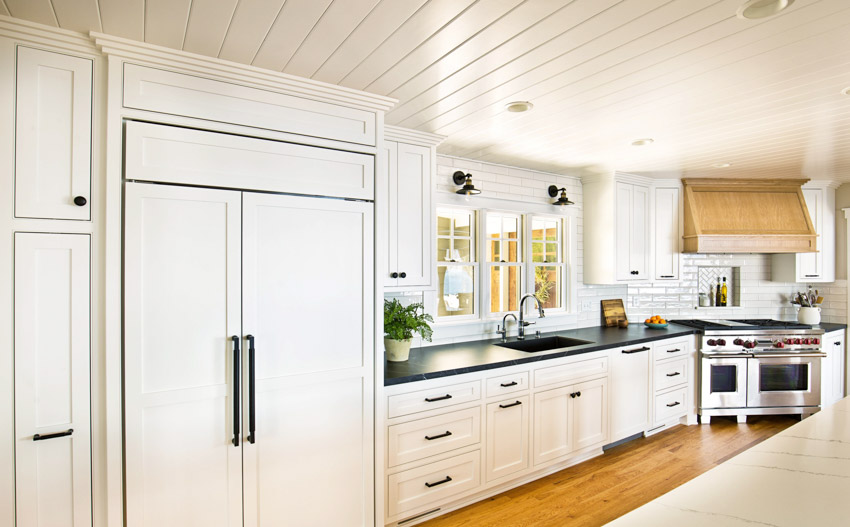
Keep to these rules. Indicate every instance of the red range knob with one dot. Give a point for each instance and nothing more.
(778, 344)
(789, 341)
(750, 344)
(711, 342)
(737, 342)
(721, 342)
(815, 341)
(798, 341)
(807, 341)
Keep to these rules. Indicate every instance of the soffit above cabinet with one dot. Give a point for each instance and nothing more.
(708, 87)
(747, 216)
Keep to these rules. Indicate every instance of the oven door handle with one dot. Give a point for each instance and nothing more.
(727, 355)
(787, 355)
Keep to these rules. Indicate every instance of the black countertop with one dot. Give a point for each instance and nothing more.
(433, 362)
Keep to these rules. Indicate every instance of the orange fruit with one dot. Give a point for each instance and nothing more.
(662, 321)
(648, 321)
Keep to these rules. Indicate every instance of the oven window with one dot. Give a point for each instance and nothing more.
(724, 378)
(783, 377)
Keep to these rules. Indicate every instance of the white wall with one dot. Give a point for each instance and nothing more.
(760, 297)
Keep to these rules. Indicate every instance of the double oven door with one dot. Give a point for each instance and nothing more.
(760, 382)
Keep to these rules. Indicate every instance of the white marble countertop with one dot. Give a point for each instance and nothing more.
(799, 477)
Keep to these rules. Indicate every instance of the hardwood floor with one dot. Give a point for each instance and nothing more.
(624, 478)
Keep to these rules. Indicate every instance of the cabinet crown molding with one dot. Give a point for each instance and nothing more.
(406, 135)
(242, 74)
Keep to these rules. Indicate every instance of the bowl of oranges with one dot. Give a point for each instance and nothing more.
(655, 322)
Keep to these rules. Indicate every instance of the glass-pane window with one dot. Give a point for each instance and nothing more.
(456, 263)
(548, 270)
(504, 261)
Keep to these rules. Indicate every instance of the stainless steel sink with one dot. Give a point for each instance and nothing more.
(534, 345)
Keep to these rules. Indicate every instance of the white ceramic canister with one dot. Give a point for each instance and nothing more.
(809, 315)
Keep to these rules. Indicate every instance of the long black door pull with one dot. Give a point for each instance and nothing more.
(40, 437)
(236, 368)
(252, 389)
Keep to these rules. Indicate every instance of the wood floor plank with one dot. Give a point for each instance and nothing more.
(624, 478)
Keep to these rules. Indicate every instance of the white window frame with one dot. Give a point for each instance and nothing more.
(562, 255)
(487, 265)
(474, 252)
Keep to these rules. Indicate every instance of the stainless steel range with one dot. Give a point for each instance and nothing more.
(756, 367)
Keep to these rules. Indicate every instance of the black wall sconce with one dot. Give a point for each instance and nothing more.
(468, 188)
(562, 201)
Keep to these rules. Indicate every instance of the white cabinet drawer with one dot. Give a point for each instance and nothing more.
(442, 481)
(504, 384)
(670, 373)
(668, 349)
(434, 435)
(571, 371)
(671, 404)
(424, 400)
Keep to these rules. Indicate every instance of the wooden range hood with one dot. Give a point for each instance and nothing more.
(747, 216)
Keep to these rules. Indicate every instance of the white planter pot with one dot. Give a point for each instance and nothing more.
(809, 315)
(397, 350)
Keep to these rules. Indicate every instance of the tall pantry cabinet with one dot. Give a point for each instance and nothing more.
(47, 145)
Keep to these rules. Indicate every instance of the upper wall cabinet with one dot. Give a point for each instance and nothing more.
(408, 166)
(668, 232)
(53, 135)
(616, 229)
(818, 266)
(173, 93)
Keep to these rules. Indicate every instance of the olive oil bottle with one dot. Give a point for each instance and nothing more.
(723, 293)
(717, 299)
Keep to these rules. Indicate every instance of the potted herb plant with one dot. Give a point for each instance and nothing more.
(400, 323)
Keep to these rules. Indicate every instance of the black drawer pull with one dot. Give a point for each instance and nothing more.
(667, 276)
(671, 405)
(509, 405)
(443, 398)
(431, 438)
(673, 374)
(578, 394)
(811, 275)
(514, 383)
(402, 274)
(39, 437)
(573, 395)
(636, 350)
(674, 350)
(836, 343)
(393, 275)
(80, 201)
(429, 485)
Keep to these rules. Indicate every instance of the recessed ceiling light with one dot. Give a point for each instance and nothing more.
(754, 9)
(846, 91)
(722, 165)
(519, 106)
(643, 142)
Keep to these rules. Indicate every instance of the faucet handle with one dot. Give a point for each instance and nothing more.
(527, 323)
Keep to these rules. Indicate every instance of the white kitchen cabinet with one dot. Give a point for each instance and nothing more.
(53, 135)
(816, 267)
(617, 246)
(569, 419)
(408, 176)
(673, 388)
(667, 232)
(632, 232)
(630, 390)
(832, 368)
(234, 410)
(507, 437)
(52, 380)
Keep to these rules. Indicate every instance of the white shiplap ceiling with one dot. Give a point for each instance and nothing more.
(763, 95)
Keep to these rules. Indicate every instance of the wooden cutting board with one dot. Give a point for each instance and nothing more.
(613, 311)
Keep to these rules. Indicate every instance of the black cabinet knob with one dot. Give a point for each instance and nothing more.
(80, 201)
(393, 275)
(403, 275)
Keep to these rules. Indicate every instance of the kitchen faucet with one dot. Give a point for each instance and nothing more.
(503, 331)
(522, 323)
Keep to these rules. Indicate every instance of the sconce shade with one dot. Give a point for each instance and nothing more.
(562, 200)
(468, 188)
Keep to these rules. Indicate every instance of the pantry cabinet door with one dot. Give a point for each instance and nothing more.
(52, 382)
(308, 306)
(53, 135)
(182, 282)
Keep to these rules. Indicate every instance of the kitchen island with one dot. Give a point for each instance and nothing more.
(800, 476)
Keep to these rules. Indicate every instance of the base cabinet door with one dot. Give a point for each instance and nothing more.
(832, 369)
(553, 424)
(52, 380)
(590, 413)
(507, 437)
(630, 374)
